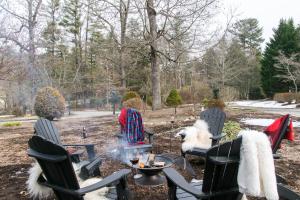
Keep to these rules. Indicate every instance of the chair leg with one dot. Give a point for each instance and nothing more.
(90, 149)
(122, 190)
(75, 158)
(184, 159)
(172, 190)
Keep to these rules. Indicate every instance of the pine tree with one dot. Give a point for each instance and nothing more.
(51, 38)
(174, 99)
(286, 39)
(72, 22)
(248, 33)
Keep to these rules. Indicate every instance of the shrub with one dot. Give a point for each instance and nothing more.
(286, 97)
(205, 102)
(256, 93)
(130, 95)
(11, 124)
(49, 103)
(135, 103)
(174, 99)
(17, 111)
(216, 103)
(200, 91)
(149, 100)
(213, 103)
(97, 102)
(186, 95)
(229, 94)
(231, 129)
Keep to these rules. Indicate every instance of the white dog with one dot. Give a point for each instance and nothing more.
(196, 136)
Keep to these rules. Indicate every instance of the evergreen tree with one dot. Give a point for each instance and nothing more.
(286, 39)
(248, 33)
(174, 99)
(72, 23)
(51, 38)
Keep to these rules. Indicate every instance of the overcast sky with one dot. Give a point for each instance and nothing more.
(268, 12)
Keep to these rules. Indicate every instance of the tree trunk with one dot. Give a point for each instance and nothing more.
(31, 65)
(156, 92)
(123, 19)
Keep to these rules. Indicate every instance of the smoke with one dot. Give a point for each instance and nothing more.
(124, 152)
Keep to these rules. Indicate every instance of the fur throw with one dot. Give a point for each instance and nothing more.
(196, 136)
(38, 191)
(256, 175)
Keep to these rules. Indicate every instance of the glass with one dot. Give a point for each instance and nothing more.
(135, 161)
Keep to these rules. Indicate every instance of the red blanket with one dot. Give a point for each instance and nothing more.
(275, 128)
(123, 118)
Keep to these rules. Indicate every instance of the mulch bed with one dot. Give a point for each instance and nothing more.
(14, 162)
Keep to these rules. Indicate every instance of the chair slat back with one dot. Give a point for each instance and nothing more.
(282, 134)
(56, 165)
(45, 128)
(218, 177)
(215, 119)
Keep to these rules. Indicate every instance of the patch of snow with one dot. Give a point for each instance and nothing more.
(263, 122)
(262, 104)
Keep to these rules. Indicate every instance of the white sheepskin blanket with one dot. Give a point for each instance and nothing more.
(38, 191)
(256, 175)
(196, 136)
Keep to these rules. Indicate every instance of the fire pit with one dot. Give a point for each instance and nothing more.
(151, 169)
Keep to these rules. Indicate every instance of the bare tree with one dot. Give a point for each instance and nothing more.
(290, 67)
(118, 29)
(193, 13)
(156, 91)
(28, 22)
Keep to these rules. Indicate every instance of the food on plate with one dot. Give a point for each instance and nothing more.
(141, 165)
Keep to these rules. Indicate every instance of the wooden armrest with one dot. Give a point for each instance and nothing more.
(104, 182)
(173, 176)
(78, 145)
(113, 178)
(286, 193)
(89, 169)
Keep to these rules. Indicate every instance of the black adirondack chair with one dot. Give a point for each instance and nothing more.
(44, 127)
(59, 174)
(215, 119)
(220, 177)
(127, 149)
(283, 129)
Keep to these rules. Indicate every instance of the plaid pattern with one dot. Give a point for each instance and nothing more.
(134, 129)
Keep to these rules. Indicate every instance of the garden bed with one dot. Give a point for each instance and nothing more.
(14, 161)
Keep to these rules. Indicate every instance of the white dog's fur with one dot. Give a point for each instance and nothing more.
(256, 175)
(38, 191)
(196, 136)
